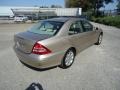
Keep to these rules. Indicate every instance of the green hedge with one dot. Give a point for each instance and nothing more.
(109, 20)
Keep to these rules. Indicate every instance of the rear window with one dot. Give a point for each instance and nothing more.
(47, 27)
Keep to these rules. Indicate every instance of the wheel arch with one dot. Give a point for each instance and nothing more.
(74, 49)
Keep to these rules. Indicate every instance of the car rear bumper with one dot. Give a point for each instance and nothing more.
(40, 61)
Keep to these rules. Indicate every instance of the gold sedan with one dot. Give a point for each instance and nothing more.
(55, 42)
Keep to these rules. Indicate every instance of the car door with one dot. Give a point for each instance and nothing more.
(89, 33)
(77, 38)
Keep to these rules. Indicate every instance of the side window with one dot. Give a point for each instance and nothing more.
(75, 28)
(87, 26)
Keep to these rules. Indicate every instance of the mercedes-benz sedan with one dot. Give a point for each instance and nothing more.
(55, 42)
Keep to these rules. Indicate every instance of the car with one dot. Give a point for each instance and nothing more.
(55, 42)
(20, 18)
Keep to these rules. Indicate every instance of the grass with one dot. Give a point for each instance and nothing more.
(108, 20)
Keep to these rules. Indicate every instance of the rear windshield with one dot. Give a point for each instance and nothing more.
(46, 27)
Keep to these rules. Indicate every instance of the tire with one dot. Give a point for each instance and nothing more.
(68, 59)
(99, 39)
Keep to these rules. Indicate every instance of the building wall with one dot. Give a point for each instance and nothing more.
(57, 11)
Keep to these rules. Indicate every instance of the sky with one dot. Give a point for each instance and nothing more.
(31, 2)
(110, 6)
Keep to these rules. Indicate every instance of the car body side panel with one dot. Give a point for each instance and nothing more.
(89, 38)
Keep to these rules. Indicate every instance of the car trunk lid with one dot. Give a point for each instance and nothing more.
(25, 41)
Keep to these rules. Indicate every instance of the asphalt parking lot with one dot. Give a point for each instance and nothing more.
(96, 68)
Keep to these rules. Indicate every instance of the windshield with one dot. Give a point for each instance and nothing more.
(47, 27)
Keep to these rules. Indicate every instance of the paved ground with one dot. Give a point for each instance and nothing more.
(6, 21)
(96, 68)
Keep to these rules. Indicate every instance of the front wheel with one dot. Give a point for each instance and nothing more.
(68, 59)
(99, 39)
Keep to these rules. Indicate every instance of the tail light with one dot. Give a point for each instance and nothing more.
(40, 49)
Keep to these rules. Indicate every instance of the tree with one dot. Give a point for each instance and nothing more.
(56, 6)
(84, 4)
(118, 7)
(87, 4)
(97, 4)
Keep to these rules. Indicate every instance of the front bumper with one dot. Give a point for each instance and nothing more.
(40, 61)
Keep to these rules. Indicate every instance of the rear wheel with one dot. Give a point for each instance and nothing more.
(68, 59)
(99, 39)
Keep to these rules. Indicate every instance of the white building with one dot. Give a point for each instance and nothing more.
(39, 12)
(6, 11)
